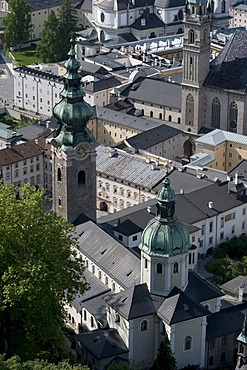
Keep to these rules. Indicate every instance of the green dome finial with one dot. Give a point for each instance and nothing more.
(72, 111)
(165, 235)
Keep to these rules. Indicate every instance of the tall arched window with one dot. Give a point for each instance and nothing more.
(215, 120)
(144, 325)
(233, 117)
(223, 6)
(191, 36)
(59, 174)
(175, 268)
(187, 343)
(189, 110)
(159, 268)
(81, 178)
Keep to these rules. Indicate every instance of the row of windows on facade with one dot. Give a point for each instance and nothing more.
(215, 112)
(121, 190)
(40, 90)
(151, 114)
(24, 172)
(24, 163)
(33, 181)
(229, 217)
(160, 268)
(106, 281)
(35, 98)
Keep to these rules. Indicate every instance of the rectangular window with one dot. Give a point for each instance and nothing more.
(134, 238)
(222, 222)
(233, 215)
(210, 240)
(244, 211)
(243, 225)
(203, 229)
(211, 227)
(233, 229)
(221, 236)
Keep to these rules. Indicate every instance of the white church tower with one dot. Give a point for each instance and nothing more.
(164, 247)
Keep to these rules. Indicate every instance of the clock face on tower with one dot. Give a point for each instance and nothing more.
(82, 148)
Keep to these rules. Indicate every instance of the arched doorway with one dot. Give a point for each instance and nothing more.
(188, 148)
(103, 207)
(209, 252)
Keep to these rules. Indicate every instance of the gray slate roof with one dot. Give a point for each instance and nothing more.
(97, 307)
(225, 322)
(179, 307)
(232, 286)
(124, 119)
(158, 92)
(200, 289)
(242, 170)
(127, 167)
(96, 288)
(152, 21)
(46, 4)
(127, 228)
(152, 137)
(112, 257)
(170, 3)
(132, 303)
(103, 343)
(229, 69)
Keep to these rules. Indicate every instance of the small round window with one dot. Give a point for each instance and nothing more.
(102, 17)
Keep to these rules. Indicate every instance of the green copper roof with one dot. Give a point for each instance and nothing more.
(165, 235)
(72, 111)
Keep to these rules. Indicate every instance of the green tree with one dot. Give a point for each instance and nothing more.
(224, 269)
(49, 48)
(68, 22)
(38, 263)
(165, 358)
(14, 363)
(18, 25)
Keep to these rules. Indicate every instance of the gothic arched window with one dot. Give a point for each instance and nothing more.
(159, 268)
(212, 6)
(189, 110)
(175, 268)
(223, 6)
(187, 343)
(215, 120)
(144, 325)
(191, 36)
(81, 178)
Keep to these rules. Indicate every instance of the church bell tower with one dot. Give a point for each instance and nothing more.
(73, 149)
(164, 247)
(196, 57)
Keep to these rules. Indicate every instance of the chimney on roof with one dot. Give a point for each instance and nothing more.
(48, 123)
(36, 141)
(210, 205)
(8, 145)
(241, 293)
(236, 178)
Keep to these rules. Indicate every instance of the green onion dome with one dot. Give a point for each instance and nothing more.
(165, 235)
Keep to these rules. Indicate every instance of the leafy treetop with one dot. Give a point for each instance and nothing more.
(38, 262)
